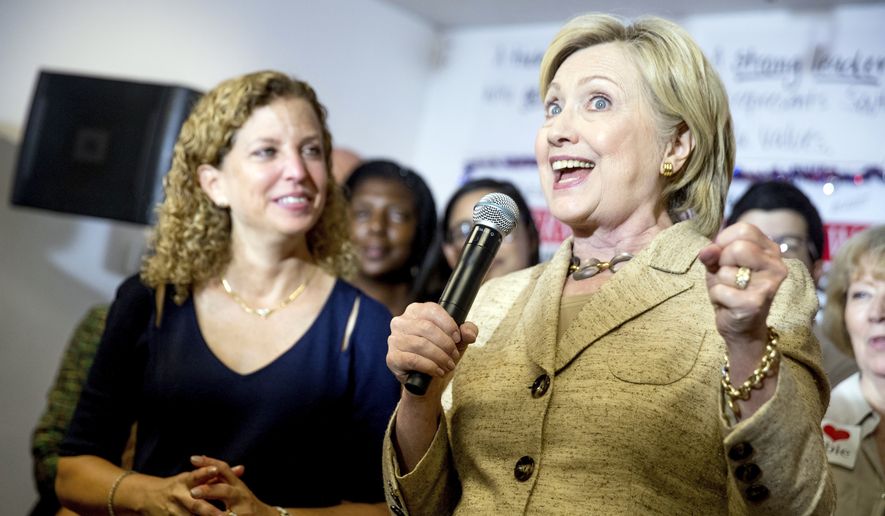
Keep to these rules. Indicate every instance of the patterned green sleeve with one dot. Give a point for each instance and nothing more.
(63, 397)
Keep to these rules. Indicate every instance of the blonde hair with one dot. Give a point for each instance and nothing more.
(862, 253)
(683, 91)
(190, 243)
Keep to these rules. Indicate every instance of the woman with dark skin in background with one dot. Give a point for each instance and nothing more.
(393, 216)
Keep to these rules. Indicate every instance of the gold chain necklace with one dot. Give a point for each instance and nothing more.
(264, 313)
(592, 266)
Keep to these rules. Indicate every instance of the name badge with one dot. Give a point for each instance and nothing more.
(842, 442)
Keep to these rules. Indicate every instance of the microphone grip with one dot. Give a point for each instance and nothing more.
(460, 291)
(417, 383)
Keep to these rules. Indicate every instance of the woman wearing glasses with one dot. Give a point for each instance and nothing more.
(519, 249)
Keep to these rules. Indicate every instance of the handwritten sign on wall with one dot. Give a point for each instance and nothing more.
(804, 89)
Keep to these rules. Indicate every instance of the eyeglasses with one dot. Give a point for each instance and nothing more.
(792, 246)
(458, 234)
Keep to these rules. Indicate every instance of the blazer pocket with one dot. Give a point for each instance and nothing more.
(655, 359)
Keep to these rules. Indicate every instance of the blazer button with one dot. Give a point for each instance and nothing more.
(394, 496)
(539, 388)
(525, 466)
(740, 451)
(748, 472)
(757, 493)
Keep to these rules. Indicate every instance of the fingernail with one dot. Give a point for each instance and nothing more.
(451, 364)
(195, 458)
(457, 354)
(195, 492)
(213, 470)
(440, 372)
(456, 336)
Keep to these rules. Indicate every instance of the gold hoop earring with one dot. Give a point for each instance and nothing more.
(667, 169)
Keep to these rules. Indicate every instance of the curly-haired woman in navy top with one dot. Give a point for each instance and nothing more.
(256, 376)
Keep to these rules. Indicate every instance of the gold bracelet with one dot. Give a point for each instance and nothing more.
(113, 490)
(766, 368)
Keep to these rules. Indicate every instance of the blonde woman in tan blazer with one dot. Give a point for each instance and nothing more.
(599, 388)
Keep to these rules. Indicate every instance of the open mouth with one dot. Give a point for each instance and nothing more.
(571, 170)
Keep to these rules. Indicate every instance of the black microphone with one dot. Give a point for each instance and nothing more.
(494, 217)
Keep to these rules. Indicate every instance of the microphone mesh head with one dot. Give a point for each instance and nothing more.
(497, 211)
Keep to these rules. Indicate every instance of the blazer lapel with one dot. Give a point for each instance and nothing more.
(540, 315)
(656, 274)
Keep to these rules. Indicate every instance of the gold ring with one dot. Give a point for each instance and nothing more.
(742, 277)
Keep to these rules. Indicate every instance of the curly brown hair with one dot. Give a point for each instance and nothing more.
(190, 243)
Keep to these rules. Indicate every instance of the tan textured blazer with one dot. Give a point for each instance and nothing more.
(624, 414)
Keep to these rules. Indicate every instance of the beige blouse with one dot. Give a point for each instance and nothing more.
(860, 483)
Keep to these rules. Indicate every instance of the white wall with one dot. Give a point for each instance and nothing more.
(482, 101)
(369, 63)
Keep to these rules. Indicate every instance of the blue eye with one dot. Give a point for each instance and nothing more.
(599, 103)
(553, 109)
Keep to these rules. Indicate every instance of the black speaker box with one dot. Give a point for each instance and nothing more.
(99, 147)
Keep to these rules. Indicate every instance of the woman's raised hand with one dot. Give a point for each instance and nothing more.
(426, 339)
(744, 272)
